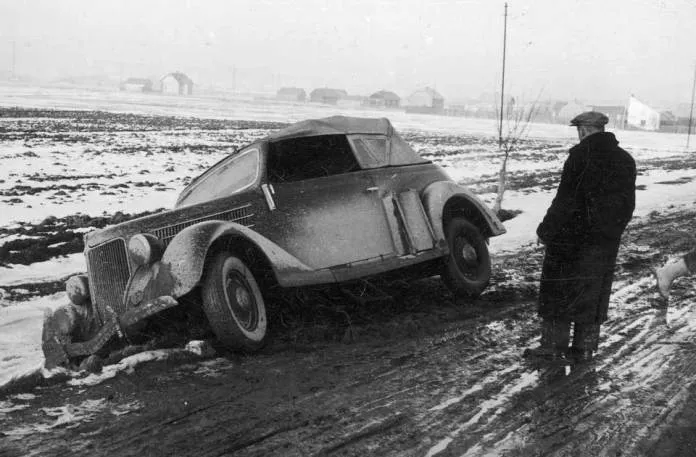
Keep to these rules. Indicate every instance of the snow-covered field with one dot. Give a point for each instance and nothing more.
(98, 165)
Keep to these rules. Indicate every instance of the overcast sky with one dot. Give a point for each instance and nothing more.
(594, 50)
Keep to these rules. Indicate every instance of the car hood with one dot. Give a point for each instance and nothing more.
(168, 223)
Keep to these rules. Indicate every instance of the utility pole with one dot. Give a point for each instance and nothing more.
(502, 82)
(691, 112)
(234, 79)
(14, 59)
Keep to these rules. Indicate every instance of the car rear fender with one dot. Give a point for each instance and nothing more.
(181, 267)
(444, 199)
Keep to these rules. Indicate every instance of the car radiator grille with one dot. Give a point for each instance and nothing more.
(108, 275)
(242, 215)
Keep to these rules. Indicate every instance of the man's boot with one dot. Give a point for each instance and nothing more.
(668, 273)
(555, 336)
(585, 342)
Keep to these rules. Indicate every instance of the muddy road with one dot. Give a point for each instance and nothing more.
(414, 375)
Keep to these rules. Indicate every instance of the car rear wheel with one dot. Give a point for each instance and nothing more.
(233, 303)
(467, 269)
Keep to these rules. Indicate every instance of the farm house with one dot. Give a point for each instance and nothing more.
(384, 99)
(177, 83)
(426, 100)
(641, 116)
(327, 96)
(136, 85)
(615, 113)
(291, 94)
(569, 110)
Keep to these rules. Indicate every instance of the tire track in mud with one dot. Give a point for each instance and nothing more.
(618, 403)
(403, 387)
(466, 392)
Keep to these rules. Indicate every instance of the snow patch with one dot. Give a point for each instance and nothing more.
(50, 270)
(126, 365)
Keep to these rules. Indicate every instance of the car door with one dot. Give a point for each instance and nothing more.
(327, 211)
(399, 187)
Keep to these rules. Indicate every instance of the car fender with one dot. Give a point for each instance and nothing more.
(441, 194)
(181, 267)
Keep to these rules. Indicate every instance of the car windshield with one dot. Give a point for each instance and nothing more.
(228, 177)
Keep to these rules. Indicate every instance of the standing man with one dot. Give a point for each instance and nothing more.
(582, 231)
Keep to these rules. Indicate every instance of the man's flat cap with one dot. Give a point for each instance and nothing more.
(593, 118)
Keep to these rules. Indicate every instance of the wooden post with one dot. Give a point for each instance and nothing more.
(502, 81)
(691, 111)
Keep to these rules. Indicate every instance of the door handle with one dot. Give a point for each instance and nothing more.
(269, 198)
(372, 189)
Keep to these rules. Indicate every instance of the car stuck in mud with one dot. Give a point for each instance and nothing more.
(319, 202)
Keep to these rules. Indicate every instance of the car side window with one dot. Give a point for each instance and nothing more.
(298, 159)
(371, 150)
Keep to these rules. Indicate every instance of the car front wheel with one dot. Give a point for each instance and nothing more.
(233, 303)
(467, 269)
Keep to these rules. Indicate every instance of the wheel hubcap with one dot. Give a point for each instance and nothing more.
(241, 300)
(466, 256)
(469, 254)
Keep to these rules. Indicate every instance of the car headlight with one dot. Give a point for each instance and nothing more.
(145, 248)
(77, 288)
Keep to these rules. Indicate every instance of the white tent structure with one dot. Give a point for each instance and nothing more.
(641, 116)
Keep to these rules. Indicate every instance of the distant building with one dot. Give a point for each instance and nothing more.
(426, 100)
(327, 96)
(384, 99)
(352, 101)
(681, 114)
(682, 111)
(641, 116)
(136, 85)
(570, 110)
(668, 121)
(615, 113)
(291, 94)
(177, 83)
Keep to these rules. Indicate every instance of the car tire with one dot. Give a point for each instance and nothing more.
(467, 268)
(233, 303)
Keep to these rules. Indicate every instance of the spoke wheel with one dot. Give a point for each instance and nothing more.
(233, 303)
(467, 269)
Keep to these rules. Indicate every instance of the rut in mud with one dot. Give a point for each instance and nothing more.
(453, 384)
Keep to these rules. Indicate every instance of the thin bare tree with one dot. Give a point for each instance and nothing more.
(512, 129)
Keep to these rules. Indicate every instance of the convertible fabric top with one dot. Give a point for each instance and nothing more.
(370, 155)
(335, 125)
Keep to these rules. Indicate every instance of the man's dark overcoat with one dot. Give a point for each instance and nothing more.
(582, 230)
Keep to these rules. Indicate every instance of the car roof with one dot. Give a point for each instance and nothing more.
(400, 153)
(334, 125)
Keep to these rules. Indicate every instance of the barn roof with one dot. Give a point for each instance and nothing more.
(137, 81)
(435, 95)
(290, 91)
(610, 110)
(327, 92)
(385, 95)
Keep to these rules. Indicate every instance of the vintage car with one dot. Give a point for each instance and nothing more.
(321, 201)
